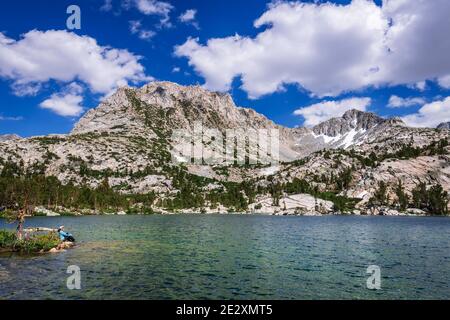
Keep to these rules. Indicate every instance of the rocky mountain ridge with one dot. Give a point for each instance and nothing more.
(128, 140)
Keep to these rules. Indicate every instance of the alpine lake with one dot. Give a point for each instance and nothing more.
(236, 257)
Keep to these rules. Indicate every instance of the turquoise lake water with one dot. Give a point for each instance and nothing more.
(237, 257)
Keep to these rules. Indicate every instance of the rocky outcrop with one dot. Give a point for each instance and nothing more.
(430, 170)
(8, 137)
(296, 204)
(63, 246)
(350, 120)
(354, 128)
(444, 125)
(46, 212)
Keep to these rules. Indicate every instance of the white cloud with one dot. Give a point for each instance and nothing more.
(39, 57)
(74, 88)
(152, 7)
(418, 41)
(27, 89)
(68, 105)
(328, 48)
(136, 28)
(146, 34)
(444, 82)
(399, 102)
(3, 118)
(421, 85)
(324, 48)
(188, 17)
(430, 115)
(176, 69)
(325, 110)
(107, 5)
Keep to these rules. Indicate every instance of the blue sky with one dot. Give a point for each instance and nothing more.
(314, 58)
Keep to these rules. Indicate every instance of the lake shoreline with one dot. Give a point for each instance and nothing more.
(229, 214)
(311, 210)
(374, 211)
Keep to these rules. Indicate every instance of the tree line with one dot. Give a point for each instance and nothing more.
(433, 199)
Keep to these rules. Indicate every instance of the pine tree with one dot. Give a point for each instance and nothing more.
(420, 196)
(438, 200)
(402, 197)
(380, 195)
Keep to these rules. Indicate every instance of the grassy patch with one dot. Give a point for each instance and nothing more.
(32, 244)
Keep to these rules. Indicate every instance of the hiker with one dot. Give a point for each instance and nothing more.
(64, 236)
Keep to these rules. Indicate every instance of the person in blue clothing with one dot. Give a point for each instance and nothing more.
(64, 236)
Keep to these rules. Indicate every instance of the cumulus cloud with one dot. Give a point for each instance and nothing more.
(330, 48)
(42, 56)
(66, 103)
(64, 56)
(188, 17)
(322, 111)
(430, 115)
(399, 102)
(417, 40)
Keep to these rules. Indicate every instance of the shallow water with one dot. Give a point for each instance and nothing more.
(237, 257)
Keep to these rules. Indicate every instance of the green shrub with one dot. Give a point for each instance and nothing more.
(7, 238)
(37, 243)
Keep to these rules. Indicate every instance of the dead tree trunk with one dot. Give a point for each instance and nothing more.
(21, 221)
